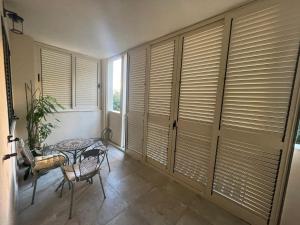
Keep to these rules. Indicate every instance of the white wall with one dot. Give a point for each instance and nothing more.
(75, 125)
(291, 207)
(72, 124)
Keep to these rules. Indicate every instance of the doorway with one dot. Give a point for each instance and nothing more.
(116, 99)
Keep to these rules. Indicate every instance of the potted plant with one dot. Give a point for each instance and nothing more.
(38, 108)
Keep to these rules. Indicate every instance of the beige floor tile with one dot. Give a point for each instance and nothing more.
(159, 207)
(136, 195)
(189, 217)
(128, 217)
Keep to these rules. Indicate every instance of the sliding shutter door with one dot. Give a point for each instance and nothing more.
(86, 83)
(259, 80)
(159, 102)
(197, 102)
(56, 70)
(136, 101)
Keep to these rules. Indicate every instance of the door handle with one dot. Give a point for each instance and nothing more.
(174, 124)
(8, 156)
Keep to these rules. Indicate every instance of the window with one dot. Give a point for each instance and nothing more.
(71, 79)
(57, 76)
(298, 135)
(86, 83)
(116, 84)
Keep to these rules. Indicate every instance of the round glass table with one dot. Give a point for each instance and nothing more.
(74, 146)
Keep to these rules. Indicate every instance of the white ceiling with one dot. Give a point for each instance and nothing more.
(103, 28)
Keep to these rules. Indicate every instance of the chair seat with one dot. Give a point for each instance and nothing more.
(48, 162)
(81, 170)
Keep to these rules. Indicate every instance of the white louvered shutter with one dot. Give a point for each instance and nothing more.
(56, 68)
(159, 102)
(86, 83)
(136, 100)
(259, 79)
(197, 102)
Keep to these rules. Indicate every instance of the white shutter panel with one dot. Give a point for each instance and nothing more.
(197, 102)
(136, 100)
(86, 83)
(159, 102)
(259, 80)
(56, 68)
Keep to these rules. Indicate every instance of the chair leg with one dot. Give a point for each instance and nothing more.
(59, 185)
(34, 189)
(62, 187)
(106, 155)
(101, 184)
(72, 196)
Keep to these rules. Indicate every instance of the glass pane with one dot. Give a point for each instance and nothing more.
(117, 69)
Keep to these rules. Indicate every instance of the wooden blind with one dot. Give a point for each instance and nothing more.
(159, 105)
(259, 79)
(161, 75)
(56, 70)
(136, 100)
(197, 102)
(86, 83)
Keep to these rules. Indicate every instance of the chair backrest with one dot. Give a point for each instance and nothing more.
(106, 136)
(88, 168)
(26, 152)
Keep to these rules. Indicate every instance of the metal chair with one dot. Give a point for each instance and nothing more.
(40, 165)
(101, 147)
(83, 171)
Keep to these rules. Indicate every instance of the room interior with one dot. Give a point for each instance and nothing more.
(149, 112)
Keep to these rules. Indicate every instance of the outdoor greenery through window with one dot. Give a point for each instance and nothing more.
(298, 135)
(117, 71)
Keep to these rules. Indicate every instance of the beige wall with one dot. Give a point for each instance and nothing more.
(72, 124)
(8, 186)
(22, 64)
(291, 207)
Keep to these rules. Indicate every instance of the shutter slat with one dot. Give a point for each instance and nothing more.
(159, 100)
(259, 79)
(86, 83)
(56, 68)
(197, 102)
(136, 100)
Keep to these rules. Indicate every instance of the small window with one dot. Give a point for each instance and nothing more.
(116, 84)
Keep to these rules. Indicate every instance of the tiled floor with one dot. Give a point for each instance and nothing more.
(136, 195)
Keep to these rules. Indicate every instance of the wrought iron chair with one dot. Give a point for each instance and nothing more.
(40, 165)
(102, 146)
(83, 171)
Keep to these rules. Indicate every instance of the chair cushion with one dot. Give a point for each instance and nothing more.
(85, 169)
(71, 170)
(48, 162)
